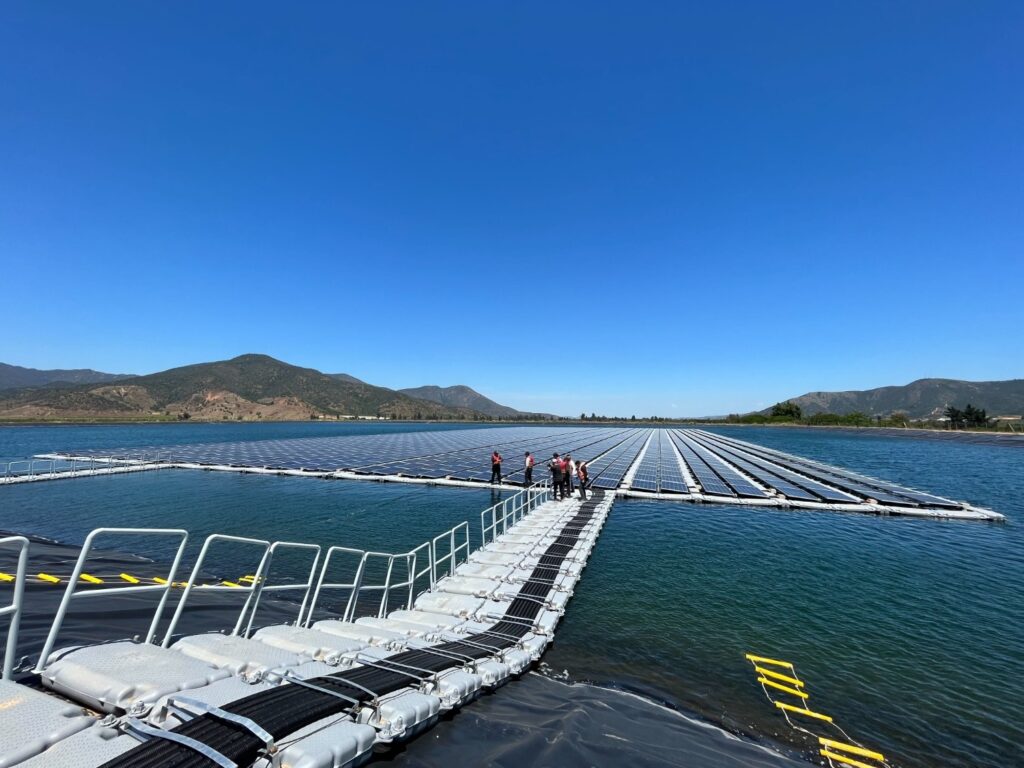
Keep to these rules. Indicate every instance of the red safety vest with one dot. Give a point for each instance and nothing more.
(529, 461)
(496, 458)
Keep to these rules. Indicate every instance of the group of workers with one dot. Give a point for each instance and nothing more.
(563, 471)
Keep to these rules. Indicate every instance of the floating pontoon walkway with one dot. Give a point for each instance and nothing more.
(434, 629)
(677, 464)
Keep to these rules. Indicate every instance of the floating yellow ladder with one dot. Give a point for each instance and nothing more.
(834, 751)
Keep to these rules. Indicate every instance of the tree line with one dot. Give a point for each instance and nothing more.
(789, 412)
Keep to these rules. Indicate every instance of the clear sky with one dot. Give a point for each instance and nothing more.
(624, 208)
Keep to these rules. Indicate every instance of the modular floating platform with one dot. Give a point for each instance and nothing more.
(691, 465)
(382, 645)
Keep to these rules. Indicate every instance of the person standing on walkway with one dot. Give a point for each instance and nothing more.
(568, 468)
(528, 470)
(555, 465)
(495, 468)
(581, 475)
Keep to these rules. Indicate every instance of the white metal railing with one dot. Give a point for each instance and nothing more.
(387, 586)
(424, 552)
(323, 584)
(450, 559)
(69, 466)
(17, 599)
(71, 592)
(393, 573)
(249, 590)
(263, 584)
(413, 566)
(496, 520)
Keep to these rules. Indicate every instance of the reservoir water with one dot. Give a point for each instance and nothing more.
(909, 632)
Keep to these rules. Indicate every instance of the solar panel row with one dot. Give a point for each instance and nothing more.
(739, 484)
(790, 484)
(646, 477)
(864, 487)
(612, 467)
(709, 481)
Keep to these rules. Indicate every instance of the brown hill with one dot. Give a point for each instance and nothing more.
(248, 387)
(920, 399)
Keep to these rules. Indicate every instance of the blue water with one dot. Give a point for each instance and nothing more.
(909, 632)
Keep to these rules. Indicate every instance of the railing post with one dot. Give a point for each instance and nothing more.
(387, 586)
(16, 605)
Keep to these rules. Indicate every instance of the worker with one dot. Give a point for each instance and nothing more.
(495, 468)
(555, 465)
(581, 475)
(528, 470)
(568, 467)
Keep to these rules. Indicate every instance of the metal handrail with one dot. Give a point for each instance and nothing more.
(68, 465)
(71, 593)
(196, 569)
(386, 588)
(428, 569)
(513, 509)
(322, 582)
(453, 550)
(262, 585)
(17, 601)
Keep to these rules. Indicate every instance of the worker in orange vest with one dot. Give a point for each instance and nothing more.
(555, 465)
(528, 470)
(582, 474)
(496, 468)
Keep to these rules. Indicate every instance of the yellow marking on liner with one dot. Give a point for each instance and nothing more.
(48, 577)
(248, 578)
(781, 687)
(6, 577)
(766, 660)
(89, 578)
(850, 748)
(231, 584)
(847, 760)
(159, 580)
(778, 676)
(801, 711)
(129, 578)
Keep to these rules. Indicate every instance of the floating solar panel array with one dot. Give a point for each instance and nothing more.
(688, 464)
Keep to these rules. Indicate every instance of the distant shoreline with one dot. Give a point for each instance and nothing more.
(879, 430)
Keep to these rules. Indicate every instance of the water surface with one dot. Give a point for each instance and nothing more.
(909, 632)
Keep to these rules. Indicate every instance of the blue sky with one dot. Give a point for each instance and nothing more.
(624, 208)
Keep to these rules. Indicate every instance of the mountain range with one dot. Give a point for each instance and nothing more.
(258, 387)
(249, 387)
(15, 377)
(919, 399)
